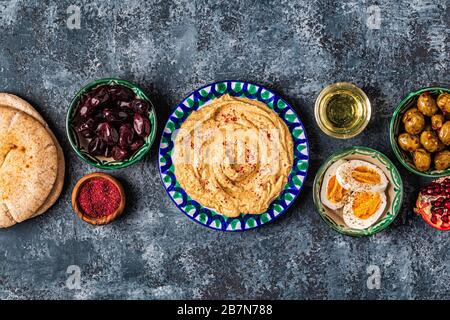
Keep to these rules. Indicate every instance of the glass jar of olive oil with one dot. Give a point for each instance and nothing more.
(342, 110)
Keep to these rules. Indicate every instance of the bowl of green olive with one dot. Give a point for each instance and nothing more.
(420, 132)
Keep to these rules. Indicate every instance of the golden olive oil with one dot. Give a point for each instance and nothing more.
(342, 110)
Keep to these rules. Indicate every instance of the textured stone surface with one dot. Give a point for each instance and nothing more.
(172, 47)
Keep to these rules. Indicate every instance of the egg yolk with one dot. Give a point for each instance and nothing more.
(365, 204)
(335, 192)
(366, 175)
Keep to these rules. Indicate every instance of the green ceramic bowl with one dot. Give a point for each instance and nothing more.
(80, 148)
(396, 125)
(394, 191)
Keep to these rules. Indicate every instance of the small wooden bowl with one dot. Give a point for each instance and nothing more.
(101, 220)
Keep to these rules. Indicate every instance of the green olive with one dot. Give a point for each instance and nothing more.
(444, 133)
(443, 102)
(437, 120)
(429, 141)
(442, 160)
(414, 121)
(426, 104)
(422, 159)
(408, 142)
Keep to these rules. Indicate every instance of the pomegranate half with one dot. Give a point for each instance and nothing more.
(433, 203)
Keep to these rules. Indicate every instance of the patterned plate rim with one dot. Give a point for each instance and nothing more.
(302, 158)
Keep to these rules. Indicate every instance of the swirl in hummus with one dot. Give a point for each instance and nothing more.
(233, 155)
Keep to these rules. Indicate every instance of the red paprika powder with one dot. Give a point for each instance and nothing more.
(99, 197)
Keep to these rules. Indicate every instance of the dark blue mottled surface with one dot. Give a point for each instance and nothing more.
(173, 47)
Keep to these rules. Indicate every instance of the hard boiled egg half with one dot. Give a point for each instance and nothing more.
(332, 194)
(363, 209)
(358, 175)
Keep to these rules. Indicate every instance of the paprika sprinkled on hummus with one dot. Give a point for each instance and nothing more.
(99, 197)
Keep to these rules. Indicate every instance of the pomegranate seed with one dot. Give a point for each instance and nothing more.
(447, 204)
(439, 211)
(433, 219)
(444, 219)
(437, 204)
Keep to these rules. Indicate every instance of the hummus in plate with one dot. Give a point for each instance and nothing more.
(233, 156)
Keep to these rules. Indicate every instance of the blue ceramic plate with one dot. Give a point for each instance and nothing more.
(209, 217)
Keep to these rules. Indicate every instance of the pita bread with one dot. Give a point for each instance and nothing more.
(6, 220)
(20, 104)
(28, 165)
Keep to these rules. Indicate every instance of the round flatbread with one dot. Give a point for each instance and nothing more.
(6, 220)
(28, 165)
(12, 101)
(17, 103)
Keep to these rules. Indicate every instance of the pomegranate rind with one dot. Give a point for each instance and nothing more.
(423, 208)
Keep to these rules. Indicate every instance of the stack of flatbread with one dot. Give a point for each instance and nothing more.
(31, 162)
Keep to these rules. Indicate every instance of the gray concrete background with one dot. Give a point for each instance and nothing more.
(173, 47)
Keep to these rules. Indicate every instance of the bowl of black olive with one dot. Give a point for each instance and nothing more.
(420, 132)
(111, 123)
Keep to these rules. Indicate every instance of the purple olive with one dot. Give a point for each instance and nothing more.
(136, 145)
(140, 106)
(84, 110)
(123, 116)
(109, 115)
(96, 147)
(86, 128)
(100, 94)
(121, 93)
(141, 125)
(119, 153)
(115, 117)
(101, 88)
(125, 105)
(108, 151)
(126, 135)
(107, 133)
(86, 106)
